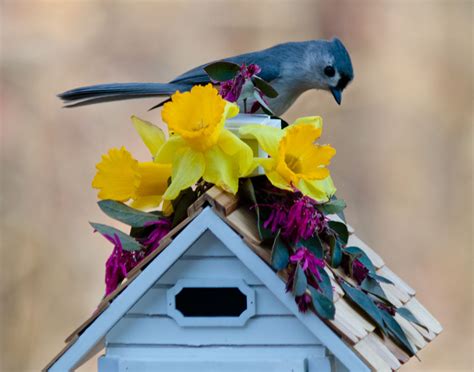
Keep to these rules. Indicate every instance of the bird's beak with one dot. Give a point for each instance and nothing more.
(337, 94)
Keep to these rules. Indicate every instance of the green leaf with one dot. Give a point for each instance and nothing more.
(181, 204)
(123, 213)
(380, 278)
(314, 245)
(128, 243)
(397, 333)
(264, 87)
(300, 283)
(326, 285)
(247, 191)
(365, 303)
(262, 102)
(334, 206)
(408, 315)
(222, 70)
(358, 253)
(336, 252)
(324, 306)
(372, 286)
(340, 229)
(280, 254)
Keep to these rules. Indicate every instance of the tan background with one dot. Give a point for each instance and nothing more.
(403, 136)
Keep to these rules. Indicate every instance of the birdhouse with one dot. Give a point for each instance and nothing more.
(208, 300)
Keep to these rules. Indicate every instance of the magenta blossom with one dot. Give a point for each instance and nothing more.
(297, 217)
(161, 227)
(359, 271)
(308, 262)
(231, 90)
(119, 264)
(304, 302)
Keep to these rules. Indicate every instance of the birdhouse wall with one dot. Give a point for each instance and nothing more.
(271, 336)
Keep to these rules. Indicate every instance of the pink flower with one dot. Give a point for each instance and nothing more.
(297, 217)
(230, 90)
(359, 271)
(304, 302)
(308, 262)
(161, 228)
(119, 264)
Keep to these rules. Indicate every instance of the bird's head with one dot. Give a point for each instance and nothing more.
(331, 67)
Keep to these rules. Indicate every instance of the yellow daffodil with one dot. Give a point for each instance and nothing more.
(199, 145)
(120, 177)
(296, 161)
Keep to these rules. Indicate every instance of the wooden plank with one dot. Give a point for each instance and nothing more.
(400, 354)
(244, 222)
(379, 347)
(154, 303)
(366, 350)
(428, 334)
(396, 292)
(399, 283)
(214, 365)
(345, 315)
(343, 330)
(354, 316)
(257, 331)
(412, 334)
(388, 290)
(424, 315)
(374, 257)
(206, 352)
(209, 268)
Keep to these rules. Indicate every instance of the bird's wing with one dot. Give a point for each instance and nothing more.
(267, 62)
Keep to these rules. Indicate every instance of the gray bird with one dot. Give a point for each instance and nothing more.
(291, 68)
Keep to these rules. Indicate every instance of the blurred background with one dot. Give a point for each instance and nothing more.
(403, 136)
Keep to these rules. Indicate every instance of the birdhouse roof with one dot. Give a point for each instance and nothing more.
(350, 336)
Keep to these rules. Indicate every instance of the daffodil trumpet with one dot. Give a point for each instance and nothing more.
(295, 160)
(199, 146)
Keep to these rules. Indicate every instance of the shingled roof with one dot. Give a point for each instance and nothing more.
(378, 352)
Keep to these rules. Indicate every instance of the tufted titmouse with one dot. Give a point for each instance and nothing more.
(291, 68)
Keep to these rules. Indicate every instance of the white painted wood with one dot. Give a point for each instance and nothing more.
(222, 321)
(108, 364)
(277, 330)
(213, 365)
(208, 352)
(208, 246)
(211, 267)
(207, 219)
(154, 303)
(346, 356)
(104, 322)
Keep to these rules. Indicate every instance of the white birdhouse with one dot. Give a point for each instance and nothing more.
(207, 300)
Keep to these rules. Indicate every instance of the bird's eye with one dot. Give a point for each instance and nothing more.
(329, 71)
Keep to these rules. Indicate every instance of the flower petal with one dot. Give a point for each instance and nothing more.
(316, 121)
(221, 170)
(167, 153)
(319, 190)
(117, 175)
(154, 178)
(188, 167)
(146, 202)
(267, 137)
(278, 181)
(233, 146)
(152, 136)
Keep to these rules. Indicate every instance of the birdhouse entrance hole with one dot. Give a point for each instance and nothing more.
(211, 302)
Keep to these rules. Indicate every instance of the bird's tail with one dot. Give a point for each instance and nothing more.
(118, 91)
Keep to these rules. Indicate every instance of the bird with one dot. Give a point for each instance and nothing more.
(291, 68)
